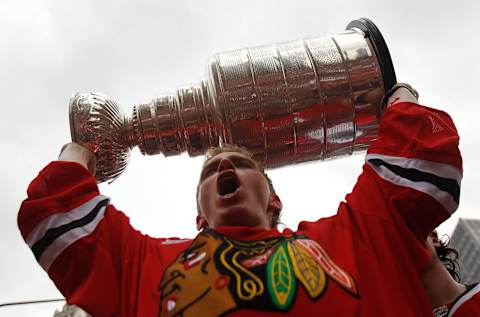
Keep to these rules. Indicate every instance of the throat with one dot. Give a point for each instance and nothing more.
(439, 285)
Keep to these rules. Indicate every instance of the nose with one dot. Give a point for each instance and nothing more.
(225, 164)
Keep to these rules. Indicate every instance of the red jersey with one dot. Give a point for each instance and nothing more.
(364, 261)
(466, 305)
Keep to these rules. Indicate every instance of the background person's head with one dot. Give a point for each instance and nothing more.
(234, 190)
(439, 250)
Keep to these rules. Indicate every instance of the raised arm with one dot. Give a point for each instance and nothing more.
(75, 234)
(414, 167)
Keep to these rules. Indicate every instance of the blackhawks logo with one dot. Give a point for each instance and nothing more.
(217, 274)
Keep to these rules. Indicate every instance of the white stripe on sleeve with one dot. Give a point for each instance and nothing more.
(69, 237)
(439, 169)
(59, 219)
(443, 171)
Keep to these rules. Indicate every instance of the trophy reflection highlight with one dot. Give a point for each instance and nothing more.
(291, 102)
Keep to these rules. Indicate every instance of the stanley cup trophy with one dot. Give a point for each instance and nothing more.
(291, 102)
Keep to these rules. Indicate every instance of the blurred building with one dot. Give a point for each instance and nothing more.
(466, 239)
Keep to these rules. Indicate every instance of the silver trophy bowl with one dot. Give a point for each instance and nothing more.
(304, 100)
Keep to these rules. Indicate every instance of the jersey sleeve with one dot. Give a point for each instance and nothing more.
(413, 170)
(77, 237)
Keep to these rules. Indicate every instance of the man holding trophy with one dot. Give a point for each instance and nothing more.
(364, 261)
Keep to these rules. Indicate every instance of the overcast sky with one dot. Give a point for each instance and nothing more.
(134, 50)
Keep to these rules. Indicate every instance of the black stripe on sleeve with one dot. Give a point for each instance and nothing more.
(39, 247)
(446, 184)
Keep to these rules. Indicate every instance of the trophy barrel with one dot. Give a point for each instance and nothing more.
(97, 122)
(174, 123)
(304, 100)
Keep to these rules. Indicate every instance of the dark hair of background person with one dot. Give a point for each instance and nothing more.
(449, 257)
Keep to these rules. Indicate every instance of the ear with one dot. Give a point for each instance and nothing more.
(435, 240)
(274, 203)
(201, 223)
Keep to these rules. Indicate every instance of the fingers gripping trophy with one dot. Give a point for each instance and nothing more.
(304, 100)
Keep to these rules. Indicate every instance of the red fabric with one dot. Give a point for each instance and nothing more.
(469, 308)
(377, 237)
(409, 130)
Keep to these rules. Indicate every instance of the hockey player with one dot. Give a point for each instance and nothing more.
(364, 261)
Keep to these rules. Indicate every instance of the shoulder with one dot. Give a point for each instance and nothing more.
(466, 304)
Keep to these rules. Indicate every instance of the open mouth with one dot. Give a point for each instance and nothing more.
(227, 183)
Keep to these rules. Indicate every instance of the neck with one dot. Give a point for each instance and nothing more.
(439, 285)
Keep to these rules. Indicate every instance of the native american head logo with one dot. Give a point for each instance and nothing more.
(217, 274)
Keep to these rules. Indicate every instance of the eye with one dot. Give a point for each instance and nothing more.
(244, 164)
(209, 170)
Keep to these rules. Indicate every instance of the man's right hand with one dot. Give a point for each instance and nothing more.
(74, 152)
